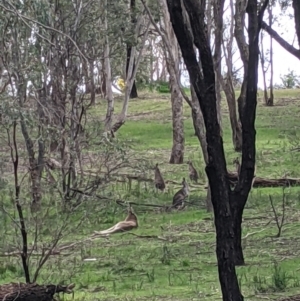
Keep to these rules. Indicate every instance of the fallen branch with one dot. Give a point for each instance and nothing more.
(264, 182)
(147, 236)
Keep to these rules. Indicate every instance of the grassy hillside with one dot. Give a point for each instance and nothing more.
(171, 256)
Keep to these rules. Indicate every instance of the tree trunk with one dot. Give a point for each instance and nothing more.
(264, 71)
(235, 125)
(296, 6)
(216, 167)
(239, 18)
(224, 204)
(271, 99)
(237, 212)
(177, 153)
(108, 80)
(132, 69)
(133, 92)
(92, 81)
(218, 9)
(199, 127)
(227, 84)
(171, 55)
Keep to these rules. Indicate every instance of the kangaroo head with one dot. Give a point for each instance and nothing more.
(130, 216)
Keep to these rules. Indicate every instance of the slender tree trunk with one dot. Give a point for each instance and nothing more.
(235, 125)
(218, 9)
(108, 80)
(171, 55)
(296, 6)
(227, 84)
(92, 82)
(177, 152)
(239, 17)
(271, 99)
(262, 63)
(199, 127)
(133, 91)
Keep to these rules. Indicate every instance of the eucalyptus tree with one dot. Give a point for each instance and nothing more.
(228, 205)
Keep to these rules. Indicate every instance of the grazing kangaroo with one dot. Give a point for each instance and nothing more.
(181, 195)
(193, 172)
(131, 222)
(158, 179)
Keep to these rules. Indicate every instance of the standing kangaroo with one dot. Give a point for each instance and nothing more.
(158, 179)
(181, 195)
(237, 165)
(193, 172)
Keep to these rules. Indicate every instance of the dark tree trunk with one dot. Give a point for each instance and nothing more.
(216, 167)
(228, 206)
(133, 92)
(237, 212)
(296, 6)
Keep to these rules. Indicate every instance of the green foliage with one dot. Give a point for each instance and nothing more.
(290, 80)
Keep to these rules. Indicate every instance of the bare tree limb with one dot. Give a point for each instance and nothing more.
(283, 43)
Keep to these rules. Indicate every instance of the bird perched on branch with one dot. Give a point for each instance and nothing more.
(181, 195)
(158, 179)
(131, 222)
(193, 172)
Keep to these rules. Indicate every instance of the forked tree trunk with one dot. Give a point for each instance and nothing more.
(132, 69)
(228, 206)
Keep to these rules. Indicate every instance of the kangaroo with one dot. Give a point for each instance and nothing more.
(158, 179)
(131, 222)
(237, 164)
(193, 172)
(181, 195)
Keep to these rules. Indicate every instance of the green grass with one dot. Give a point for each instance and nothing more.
(180, 262)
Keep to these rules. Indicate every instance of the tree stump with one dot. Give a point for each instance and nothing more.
(32, 291)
